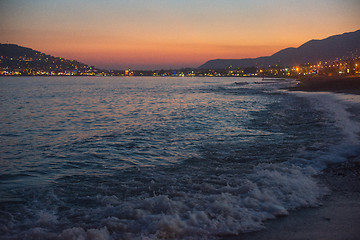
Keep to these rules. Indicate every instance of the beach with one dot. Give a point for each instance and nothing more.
(338, 218)
(329, 84)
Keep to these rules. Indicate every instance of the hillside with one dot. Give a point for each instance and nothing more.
(26, 61)
(331, 48)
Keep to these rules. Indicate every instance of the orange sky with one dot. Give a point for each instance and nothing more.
(144, 34)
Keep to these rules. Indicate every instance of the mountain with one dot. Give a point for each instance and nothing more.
(14, 58)
(331, 48)
(14, 51)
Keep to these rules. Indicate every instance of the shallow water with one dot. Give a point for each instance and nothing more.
(180, 158)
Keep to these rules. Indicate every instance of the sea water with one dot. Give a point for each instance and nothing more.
(163, 158)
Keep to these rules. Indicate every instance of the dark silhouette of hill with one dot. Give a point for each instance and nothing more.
(14, 51)
(328, 49)
(29, 61)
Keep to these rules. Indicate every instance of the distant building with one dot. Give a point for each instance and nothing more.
(129, 73)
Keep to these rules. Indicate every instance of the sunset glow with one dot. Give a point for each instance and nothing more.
(170, 34)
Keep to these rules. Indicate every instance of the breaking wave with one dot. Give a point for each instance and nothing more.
(194, 173)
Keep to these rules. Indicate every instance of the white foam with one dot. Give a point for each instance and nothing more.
(336, 107)
(46, 219)
(234, 204)
(77, 233)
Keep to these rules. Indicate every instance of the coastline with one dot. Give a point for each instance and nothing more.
(349, 85)
(338, 218)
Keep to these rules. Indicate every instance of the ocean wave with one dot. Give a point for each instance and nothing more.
(244, 154)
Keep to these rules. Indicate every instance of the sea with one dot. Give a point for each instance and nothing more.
(164, 157)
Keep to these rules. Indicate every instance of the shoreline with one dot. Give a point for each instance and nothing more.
(349, 85)
(338, 217)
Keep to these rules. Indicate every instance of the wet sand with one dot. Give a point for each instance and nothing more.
(337, 219)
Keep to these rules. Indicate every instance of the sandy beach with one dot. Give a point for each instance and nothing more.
(339, 216)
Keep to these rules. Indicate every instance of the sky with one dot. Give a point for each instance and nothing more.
(170, 34)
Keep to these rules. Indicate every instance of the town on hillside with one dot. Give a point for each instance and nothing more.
(20, 61)
(24, 66)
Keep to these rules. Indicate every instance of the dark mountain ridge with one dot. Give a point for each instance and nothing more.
(331, 48)
(13, 50)
(31, 62)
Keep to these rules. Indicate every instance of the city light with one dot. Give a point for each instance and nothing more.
(45, 65)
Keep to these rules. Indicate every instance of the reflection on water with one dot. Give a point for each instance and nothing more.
(120, 122)
(133, 158)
